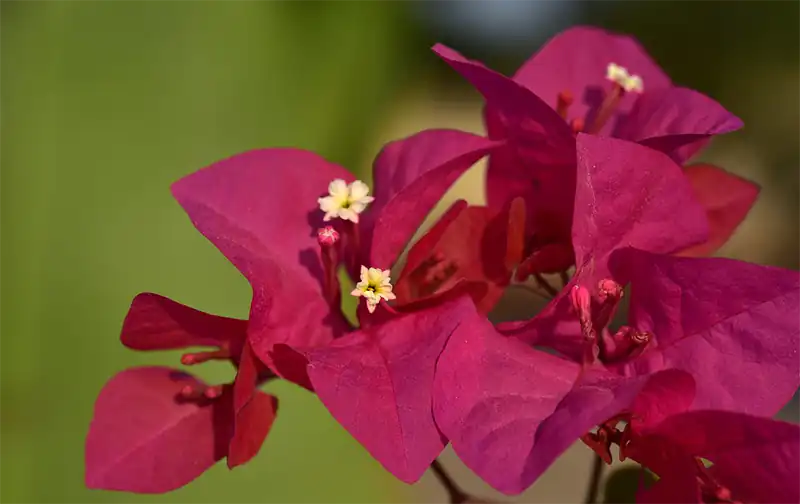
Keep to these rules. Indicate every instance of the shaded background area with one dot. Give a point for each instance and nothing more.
(104, 104)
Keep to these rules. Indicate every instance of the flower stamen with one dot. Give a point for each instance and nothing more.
(190, 359)
(563, 102)
(619, 75)
(428, 277)
(622, 82)
(577, 125)
(625, 344)
(200, 392)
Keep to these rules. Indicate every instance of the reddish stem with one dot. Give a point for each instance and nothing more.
(544, 284)
(457, 496)
(594, 482)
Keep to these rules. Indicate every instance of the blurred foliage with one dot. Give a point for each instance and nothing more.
(623, 483)
(104, 105)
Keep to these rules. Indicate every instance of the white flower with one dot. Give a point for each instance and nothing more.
(345, 201)
(620, 75)
(374, 286)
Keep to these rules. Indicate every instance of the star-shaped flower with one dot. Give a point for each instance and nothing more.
(345, 201)
(374, 286)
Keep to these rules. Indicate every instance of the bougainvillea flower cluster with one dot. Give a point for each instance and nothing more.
(702, 455)
(586, 147)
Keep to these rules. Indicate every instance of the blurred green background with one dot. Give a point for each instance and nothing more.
(104, 104)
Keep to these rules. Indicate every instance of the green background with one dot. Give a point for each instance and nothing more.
(104, 105)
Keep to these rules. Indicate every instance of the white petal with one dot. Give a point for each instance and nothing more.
(358, 190)
(375, 276)
(338, 189)
(357, 207)
(327, 204)
(349, 215)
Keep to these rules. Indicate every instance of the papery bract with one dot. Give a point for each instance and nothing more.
(260, 210)
(510, 410)
(243, 415)
(411, 175)
(628, 195)
(576, 60)
(733, 325)
(562, 90)
(469, 243)
(377, 383)
(544, 176)
(753, 459)
(294, 317)
(155, 322)
(145, 438)
(727, 199)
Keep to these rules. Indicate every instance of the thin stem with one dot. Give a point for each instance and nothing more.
(544, 284)
(564, 279)
(594, 483)
(457, 496)
(531, 290)
(353, 252)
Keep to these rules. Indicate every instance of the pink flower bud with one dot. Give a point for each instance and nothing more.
(581, 302)
(608, 288)
(327, 236)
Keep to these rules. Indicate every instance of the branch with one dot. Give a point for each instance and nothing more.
(457, 496)
(544, 284)
(594, 483)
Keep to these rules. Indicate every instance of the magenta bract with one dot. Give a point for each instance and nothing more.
(733, 325)
(146, 436)
(754, 459)
(564, 89)
(125, 451)
(727, 200)
(510, 410)
(628, 195)
(377, 382)
(261, 210)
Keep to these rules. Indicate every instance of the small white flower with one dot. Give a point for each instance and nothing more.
(374, 286)
(345, 201)
(620, 75)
